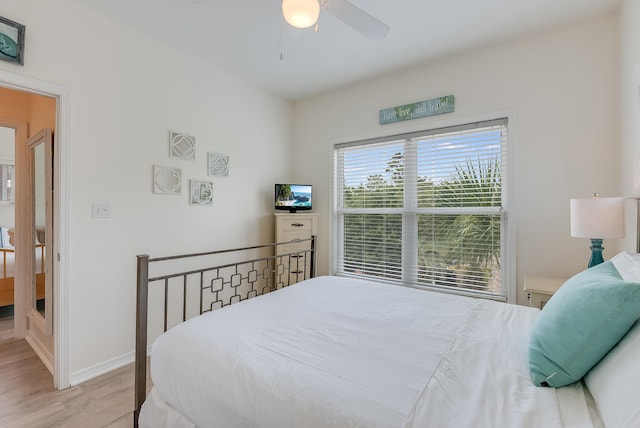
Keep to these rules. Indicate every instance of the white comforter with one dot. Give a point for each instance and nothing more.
(336, 352)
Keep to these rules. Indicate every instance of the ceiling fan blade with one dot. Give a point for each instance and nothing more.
(357, 18)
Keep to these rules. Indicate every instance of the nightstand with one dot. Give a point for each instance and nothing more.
(541, 288)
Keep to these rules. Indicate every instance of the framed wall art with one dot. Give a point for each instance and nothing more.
(11, 41)
(218, 164)
(182, 146)
(201, 193)
(167, 180)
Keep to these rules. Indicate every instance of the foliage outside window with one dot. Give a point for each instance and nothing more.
(426, 209)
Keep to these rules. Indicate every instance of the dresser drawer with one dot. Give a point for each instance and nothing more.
(296, 227)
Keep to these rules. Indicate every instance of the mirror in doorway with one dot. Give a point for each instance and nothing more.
(39, 173)
(39, 187)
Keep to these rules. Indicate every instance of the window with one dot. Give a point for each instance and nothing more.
(426, 209)
(7, 181)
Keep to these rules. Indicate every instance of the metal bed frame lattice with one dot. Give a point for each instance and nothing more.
(218, 286)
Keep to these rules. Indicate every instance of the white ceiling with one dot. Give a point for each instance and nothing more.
(245, 37)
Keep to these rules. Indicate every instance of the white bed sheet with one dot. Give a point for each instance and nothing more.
(339, 352)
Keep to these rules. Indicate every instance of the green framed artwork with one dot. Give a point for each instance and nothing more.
(11, 41)
(201, 193)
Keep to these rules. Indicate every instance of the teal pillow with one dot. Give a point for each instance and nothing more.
(578, 326)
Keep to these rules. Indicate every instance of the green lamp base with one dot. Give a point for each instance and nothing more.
(596, 253)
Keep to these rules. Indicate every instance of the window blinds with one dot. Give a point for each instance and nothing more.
(6, 182)
(426, 209)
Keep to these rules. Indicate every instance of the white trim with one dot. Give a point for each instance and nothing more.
(400, 128)
(101, 368)
(334, 222)
(61, 215)
(62, 207)
(33, 340)
(408, 127)
(636, 145)
(512, 215)
(104, 367)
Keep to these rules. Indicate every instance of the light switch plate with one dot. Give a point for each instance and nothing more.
(100, 210)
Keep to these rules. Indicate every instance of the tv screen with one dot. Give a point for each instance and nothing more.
(293, 197)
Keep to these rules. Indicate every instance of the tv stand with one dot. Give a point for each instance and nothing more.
(291, 226)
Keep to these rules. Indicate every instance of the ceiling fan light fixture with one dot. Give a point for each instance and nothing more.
(301, 13)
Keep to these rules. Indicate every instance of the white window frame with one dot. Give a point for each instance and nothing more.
(4, 184)
(507, 258)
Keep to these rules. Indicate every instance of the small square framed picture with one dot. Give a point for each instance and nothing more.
(182, 146)
(201, 193)
(167, 180)
(11, 41)
(218, 164)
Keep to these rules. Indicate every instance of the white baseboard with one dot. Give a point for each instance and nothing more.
(103, 368)
(100, 369)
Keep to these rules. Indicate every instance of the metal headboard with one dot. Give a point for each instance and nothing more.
(243, 279)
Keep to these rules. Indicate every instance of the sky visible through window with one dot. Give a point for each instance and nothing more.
(438, 155)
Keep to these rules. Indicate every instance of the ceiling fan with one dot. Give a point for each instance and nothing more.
(305, 13)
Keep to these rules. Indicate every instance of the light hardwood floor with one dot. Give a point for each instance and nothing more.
(6, 328)
(28, 399)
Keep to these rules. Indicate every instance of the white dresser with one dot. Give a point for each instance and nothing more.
(296, 266)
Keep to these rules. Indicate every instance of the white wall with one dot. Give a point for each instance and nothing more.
(126, 92)
(630, 100)
(560, 90)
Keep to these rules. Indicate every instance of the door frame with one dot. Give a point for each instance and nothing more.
(61, 214)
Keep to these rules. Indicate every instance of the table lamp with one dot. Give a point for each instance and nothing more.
(597, 219)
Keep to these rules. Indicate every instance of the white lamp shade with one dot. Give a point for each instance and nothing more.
(301, 13)
(597, 218)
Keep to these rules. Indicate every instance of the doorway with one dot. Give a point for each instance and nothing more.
(25, 262)
(7, 219)
(56, 98)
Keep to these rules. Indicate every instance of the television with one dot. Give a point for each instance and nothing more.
(293, 197)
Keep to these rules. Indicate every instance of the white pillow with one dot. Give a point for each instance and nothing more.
(614, 382)
(628, 265)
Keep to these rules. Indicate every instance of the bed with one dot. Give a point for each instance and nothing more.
(7, 262)
(346, 352)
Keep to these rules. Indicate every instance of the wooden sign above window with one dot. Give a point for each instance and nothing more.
(416, 110)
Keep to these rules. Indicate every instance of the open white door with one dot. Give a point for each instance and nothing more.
(33, 241)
